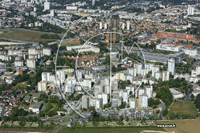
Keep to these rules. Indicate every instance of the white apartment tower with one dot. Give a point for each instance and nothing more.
(171, 65)
(31, 63)
(123, 26)
(125, 96)
(100, 25)
(128, 25)
(165, 76)
(46, 5)
(52, 13)
(143, 101)
(105, 26)
(93, 2)
(104, 96)
(190, 10)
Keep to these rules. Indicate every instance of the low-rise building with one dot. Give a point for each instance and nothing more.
(176, 94)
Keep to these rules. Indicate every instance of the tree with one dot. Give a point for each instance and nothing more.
(158, 41)
(192, 97)
(41, 114)
(197, 101)
(6, 118)
(51, 113)
(165, 95)
(107, 60)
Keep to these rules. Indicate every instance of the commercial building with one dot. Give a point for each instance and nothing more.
(161, 57)
(84, 48)
(169, 47)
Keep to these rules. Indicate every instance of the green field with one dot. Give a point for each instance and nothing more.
(183, 108)
(70, 43)
(66, 120)
(24, 35)
(72, 113)
(21, 85)
(105, 75)
(64, 129)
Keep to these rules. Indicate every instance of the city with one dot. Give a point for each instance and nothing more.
(99, 66)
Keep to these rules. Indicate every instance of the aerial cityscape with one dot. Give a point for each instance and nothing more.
(130, 66)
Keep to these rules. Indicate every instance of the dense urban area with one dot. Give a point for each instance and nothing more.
(99, 66)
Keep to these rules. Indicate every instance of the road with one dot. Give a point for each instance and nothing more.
(187, 98)
(161, 111)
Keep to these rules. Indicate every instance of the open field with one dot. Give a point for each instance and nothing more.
(64, 129)
(183, 126)
(20, 85)
(183, 108)
(24, 35)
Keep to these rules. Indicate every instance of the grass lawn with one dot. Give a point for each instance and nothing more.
(64, 129)
(20, 85)
(66, 120)
(76, 116)
(54, 117)
(32, 75)
(72, 114)
(24, 35)
(70, 43)
(183, 108)
(105, 75)
(183, 126)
